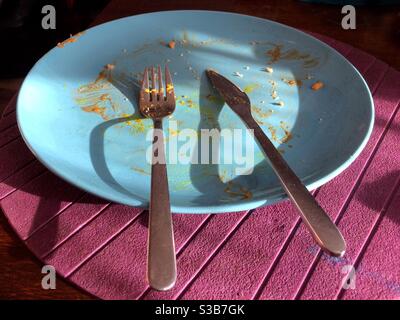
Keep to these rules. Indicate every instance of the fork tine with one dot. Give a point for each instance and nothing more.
(144, 92)
(169, 85)
(160, 84)
(153, 85)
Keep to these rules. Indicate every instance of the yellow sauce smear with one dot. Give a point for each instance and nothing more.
(141, 171)
(274, 93)
(275, 53)
(186, 101)
(251, 87)
(138, 126)
(173, 133)
(170, 88)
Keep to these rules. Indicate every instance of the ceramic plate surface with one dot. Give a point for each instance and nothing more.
(77, 109)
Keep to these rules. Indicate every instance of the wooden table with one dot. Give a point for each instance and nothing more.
(378, 32)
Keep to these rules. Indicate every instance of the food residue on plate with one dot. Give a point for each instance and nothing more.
(102, 81)
(287, 134)
(141, 171)
(215, 99)
(97, 97)
(274, 93)
(172, 44)
(187, 101)
(71, 39)
(292, 82)
(269, 70)
(238, 74)
(251, 87)
(261, 113)
(276, 53)
(170, 88)
(101, 111)
(317, 85)
(272, 131)
(234, 190)
(109, 66)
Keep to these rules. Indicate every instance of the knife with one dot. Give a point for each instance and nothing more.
(321, 227)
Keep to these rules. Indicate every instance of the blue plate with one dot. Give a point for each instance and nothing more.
(77, 109)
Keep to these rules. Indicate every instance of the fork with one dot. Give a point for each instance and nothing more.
(154, 104)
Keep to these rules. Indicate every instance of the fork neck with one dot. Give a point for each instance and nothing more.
(157, 123)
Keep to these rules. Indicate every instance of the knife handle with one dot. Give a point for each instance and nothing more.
(323, 230)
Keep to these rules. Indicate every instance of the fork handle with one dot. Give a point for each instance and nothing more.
(161, 264)
(323, 230)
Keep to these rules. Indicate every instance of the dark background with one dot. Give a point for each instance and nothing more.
(23, 38)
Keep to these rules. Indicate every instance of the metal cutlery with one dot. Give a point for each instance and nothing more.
(155, 102)
(323, 230)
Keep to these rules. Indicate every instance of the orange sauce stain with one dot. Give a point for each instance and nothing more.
(172, 44)
(102, 82)
(173, 133)
(95, 97)
(238, 191)
(288, 136)
(317, 85)
(96, 109)
(71, 39)
(186, 101)
(260, 112)
(277, 53)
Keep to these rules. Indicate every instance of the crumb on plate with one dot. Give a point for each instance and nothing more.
(172, 44)
(317, 85)
(269, 69)
(292, 82)
(110, 66)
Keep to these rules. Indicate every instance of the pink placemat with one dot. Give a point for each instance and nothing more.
(261, 254)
